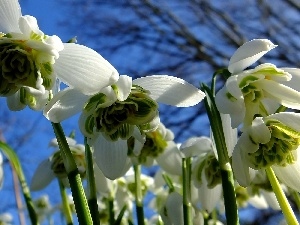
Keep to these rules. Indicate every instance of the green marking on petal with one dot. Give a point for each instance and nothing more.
(247, 80)
(279, 150)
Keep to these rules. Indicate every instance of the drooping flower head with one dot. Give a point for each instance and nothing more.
(255, 91)
(116, 113)
(270, 141)
(53, 167)
(31, 61)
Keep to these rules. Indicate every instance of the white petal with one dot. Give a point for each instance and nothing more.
(258, 202)
(287, 118)
(28, 24)
(65, 104)
(84, 69)
(234, 107)
(249, 53)
(240, 164)
(289, 175)
(174, 208)
(124, 85)
(14, 103)
(195, 146)
(111, 157)
(209, 197)
(171, 90)
(259, 132)
(10, 12)
(295, 81)
(103, 185)
(171, 159)
(43, 176)
(285, 95)
(229, 133)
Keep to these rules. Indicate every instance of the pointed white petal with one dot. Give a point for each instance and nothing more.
(289, 175)
(171, 90)
(84, 69)
(171, 159)
(195, 146)
(111, 157)
(42, 176)
(10, 12)
(65, 104)
(28, 24)
(248, 54)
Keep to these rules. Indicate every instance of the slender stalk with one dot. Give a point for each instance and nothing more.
(80, 201)
(111, 210)
(92, 192)
(231, 210)
(18, 196)
(281, 198)
(65, 203)
(14, 160)
(186, 180)
(138, 195)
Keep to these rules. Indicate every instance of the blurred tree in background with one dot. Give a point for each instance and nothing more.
(190, 39)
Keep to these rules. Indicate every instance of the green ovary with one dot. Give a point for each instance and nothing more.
(279, 150)
(119, 119)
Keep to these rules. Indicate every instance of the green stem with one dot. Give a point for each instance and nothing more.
(186, 180)
(281, 198)
(138, 195)
(111, 210)
(13, 158)
(92, 192)
(231, 210)
(65, 203)
(79, 198)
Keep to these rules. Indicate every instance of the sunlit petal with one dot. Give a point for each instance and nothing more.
(84, 69)
(249, 53)
(171, 90)
(65, 104)
(174, 208)
(111, 157)
(10, 12)
(195, 146)
(287, 118)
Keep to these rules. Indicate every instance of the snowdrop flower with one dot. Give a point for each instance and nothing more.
(126, 108)
(156, 142)
(43, 207)
(32, 61)
(53, 167)
(255, 91)
(270, 141)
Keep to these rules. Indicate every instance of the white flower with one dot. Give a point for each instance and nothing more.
(270, 141)
(32, 61)
(125, 109)
(6, 219)
(255, 91)
(53, 167)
